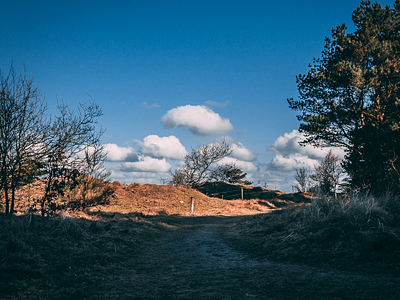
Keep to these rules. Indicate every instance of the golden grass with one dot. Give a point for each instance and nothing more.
(151, 199)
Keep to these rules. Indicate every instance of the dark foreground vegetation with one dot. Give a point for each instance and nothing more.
(70, 257)
(77, 239)
(354, 233)
(56, 258)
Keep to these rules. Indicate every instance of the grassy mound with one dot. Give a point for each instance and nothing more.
(352, 233)
(148, 199)
(229, 191)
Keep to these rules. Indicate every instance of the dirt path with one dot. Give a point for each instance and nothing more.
(191, 261)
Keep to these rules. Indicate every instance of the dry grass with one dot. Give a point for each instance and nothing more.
(61, 258)
(65, 257)
(151, 199)
(358, 232)
(230, 191)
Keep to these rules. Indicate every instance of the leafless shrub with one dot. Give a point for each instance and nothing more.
(196, 169)
(32, 146)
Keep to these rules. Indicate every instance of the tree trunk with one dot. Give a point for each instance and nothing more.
(7, 200)
(12, 200)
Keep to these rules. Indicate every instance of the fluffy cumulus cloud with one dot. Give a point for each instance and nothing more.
(144, 164)
(291, 163)
(289, 156)
(162, 147)
(245, 166)
(122, 154)
(288, 145)
(200, 120)
(240, 151)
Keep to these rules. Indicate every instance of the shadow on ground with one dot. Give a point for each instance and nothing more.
(132, 256)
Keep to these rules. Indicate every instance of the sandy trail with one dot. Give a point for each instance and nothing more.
(193, 262)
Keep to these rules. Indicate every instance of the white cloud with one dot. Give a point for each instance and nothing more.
(200, 119)
(289, 156)
(245, 166)
(116, 153)
(292, 162)
(139, 177)
(288, 144)
(145, 164)
(160, 147)
(240, 152)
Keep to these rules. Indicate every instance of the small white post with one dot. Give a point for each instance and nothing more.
(191, 204)
(242, 193)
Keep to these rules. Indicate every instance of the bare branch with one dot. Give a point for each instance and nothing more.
(196, 169)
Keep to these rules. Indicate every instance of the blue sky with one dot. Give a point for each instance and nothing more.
(173, 75)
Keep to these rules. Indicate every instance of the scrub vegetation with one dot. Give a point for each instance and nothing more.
(356, 232)
(115, 249)
(67, 233)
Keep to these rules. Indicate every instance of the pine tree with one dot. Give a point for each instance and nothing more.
(350, 96)
(230, 173)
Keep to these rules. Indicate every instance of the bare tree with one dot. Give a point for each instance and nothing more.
(31, 144)
(89, 187)
(327, 173)
(302, 178)
(21, 131)
(196, 168)
(179, 177)
(73, 149)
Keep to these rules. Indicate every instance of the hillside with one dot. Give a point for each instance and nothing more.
(152, 199)
(230, 191)
(143, 243)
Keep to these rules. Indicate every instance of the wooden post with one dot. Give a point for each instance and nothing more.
(242, 193)
(191, 204)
